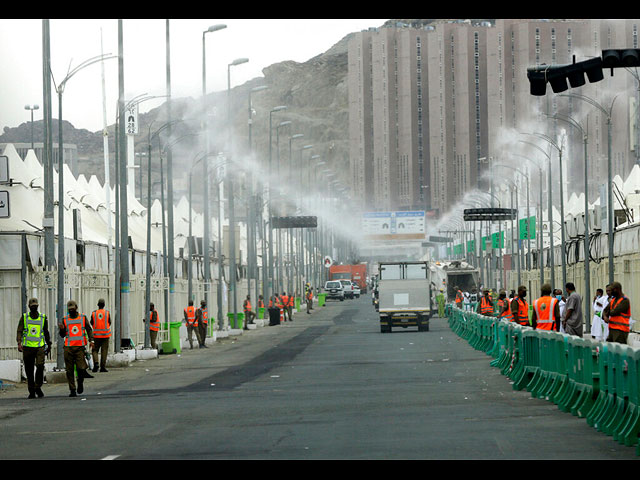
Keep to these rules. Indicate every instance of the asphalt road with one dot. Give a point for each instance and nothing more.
(326, 386)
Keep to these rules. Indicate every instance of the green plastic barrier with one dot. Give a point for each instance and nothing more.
(173, 345)
(239, 320)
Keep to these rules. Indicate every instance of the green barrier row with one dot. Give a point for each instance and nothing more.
(598, 381)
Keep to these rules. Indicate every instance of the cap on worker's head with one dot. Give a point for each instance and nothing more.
(33, 301)
(72, 303)
(101, 302)
(203, 302)
(486, 290)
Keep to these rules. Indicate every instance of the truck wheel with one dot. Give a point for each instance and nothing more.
(385, 329)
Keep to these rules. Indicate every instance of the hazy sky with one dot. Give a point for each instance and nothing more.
(262, 41)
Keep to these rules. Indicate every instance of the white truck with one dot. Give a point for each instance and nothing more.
(404, 295)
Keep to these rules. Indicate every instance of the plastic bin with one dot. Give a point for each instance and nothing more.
(239, 320)
(322, 297)
(298, 304)
(261, 312)
(274, 316)
(173, 345)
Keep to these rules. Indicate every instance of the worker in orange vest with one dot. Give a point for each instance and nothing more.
(75, 329)
(520, 307)
(459, 297)
(154, 325)
(617, 314)
(249, 315)
(309, 300)
(485, 305)
(285, 306)
(504, 312)
(101, 324)
(546, 310)
(192, 323)
(289, 307)
(202, 317)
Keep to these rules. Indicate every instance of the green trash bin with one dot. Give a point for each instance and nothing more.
(239, 320)
(298, 304)
(173, 345)
(261, 312)
(322, 297)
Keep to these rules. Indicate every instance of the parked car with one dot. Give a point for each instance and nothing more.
(334, 290)
(347, 287)
(356, 289)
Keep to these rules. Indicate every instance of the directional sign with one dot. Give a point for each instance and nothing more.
(4, 169)
(4, 204)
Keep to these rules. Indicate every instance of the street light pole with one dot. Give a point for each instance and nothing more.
(31, 108)
(205, 174)
(231, 180)
(610, 210)
(270, 203)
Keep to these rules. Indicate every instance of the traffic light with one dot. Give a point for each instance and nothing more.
(294, 222)
(557, 75)
(620, 58)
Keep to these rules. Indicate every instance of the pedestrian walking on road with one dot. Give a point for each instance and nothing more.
(202, 318)
(546, 310)
(34, 342)
(572, 318)
(75, 329)
(101, 325)
(191, 323)
(600, 329)
(618, 315)
(520, 307)
(154, 325)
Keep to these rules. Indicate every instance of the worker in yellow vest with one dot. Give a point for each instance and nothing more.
(101, 324)
(75, 329)
(191, 323)
(520, 307)
(35, 343)
(546, 310)
(202, 317)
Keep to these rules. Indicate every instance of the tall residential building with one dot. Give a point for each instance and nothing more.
(387, 119)
(433, 109)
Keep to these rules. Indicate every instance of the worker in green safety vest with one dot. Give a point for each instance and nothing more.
(34, 342)
(440, 301)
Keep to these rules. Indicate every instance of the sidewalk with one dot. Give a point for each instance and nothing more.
(125, 367)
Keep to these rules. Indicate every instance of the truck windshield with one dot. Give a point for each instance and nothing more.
(416, 272)
(391, 272)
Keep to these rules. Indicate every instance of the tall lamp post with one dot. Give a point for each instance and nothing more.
(205, 172)
(231, 179)
(610, 219)
(549, 212)
(587, 272)
(269, 289)
(60, 90)
(31, 108)
(560, 149)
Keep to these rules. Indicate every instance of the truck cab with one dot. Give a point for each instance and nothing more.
(404, 295)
